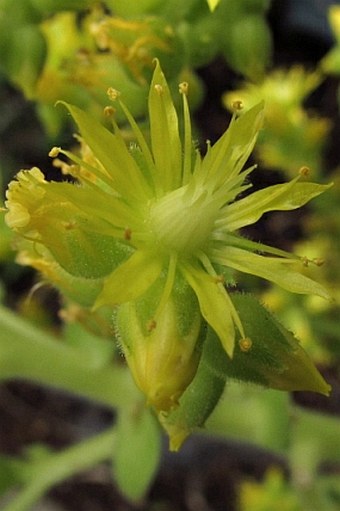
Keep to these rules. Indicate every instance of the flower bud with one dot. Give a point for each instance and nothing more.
(162, 348)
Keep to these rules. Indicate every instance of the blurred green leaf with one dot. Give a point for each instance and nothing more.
(137, 451)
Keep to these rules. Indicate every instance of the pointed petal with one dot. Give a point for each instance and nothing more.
(130, 280)
(166, 144)
(270, 268)
(229, 154)
(282, 197)
(127, 178)
(214, 304)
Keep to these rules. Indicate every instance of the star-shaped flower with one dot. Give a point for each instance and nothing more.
(157, 225)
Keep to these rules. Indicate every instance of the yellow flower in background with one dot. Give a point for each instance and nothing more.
(152, 229)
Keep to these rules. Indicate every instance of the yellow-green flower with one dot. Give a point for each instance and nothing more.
(153, 229)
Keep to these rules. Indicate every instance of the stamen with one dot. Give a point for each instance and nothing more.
(112, 93)
(109, 111)
(93, 170)
(54, 152)
(211, 271)
(183, 88)
(237, 105)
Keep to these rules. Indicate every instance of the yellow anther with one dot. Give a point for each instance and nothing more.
(109, 111)
(245, 344)
(54, 152)
(183, 88)
(237, 105)
(112, 93)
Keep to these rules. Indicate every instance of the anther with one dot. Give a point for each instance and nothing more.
(109, 111)
(113, 93)
(245, 344)
(54, 152)
(304, 171)
(237, 105)
(318, 261)
(183, 88)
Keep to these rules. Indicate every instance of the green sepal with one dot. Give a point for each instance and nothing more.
(273, 358)
(201, 396)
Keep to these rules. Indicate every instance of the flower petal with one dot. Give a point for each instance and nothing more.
(131, 279)
(108, 148)
(270, 268)
(214, 303)
(282, 197)
(165, 139)
(228, 155)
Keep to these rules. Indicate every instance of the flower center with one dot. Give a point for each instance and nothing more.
(183, 220)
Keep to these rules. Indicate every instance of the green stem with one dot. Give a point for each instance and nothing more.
(31, 354)
(61, 466)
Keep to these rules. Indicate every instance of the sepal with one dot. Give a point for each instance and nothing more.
(272, 357)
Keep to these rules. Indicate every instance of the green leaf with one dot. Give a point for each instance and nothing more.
(137, 452)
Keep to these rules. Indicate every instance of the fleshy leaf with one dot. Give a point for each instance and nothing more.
(131, 279)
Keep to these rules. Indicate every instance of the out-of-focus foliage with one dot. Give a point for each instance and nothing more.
(293, 137)
(58, 51)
